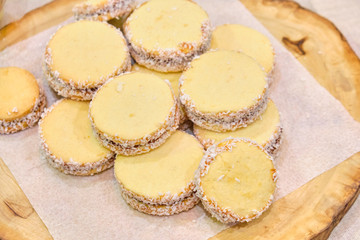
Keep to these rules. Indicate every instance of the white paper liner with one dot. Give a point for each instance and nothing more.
(318, 134)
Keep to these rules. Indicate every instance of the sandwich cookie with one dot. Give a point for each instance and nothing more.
(161, 182)
(103, 10)
(21, 100)
(82, 56)
(134, 113)
(265, 131)
(68, 142)
(167, 35)
(223, 90)
(236, 180)
(173, 78)
(246, 40)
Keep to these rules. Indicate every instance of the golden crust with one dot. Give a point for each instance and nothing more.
(27, 121)
(112, 9)
(162, 210)
(221, 214)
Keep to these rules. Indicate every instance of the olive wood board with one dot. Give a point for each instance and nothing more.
(311, 211)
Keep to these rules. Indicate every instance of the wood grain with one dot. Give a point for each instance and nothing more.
(18, 219)
(310, 212)
(35, 21)
(317, 44)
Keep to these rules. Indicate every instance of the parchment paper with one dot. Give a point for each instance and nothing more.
(318, 134)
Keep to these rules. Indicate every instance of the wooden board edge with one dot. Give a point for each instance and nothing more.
(309, 212)
(18, 219)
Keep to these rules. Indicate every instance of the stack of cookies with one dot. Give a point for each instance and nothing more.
(132, 117)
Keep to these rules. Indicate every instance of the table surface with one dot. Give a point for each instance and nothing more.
(344, 14)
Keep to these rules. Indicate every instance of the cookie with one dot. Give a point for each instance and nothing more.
(223, 90)
(21, 100)
(82, 56)
(166, 35)
(134, 113)
(68, 142)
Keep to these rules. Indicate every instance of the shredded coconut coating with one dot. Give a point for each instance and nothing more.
(169, 60)
(80, 91)
(72, 167)
(225, 215)
(162, 210)
(27, 121)
(271, 146)
(112, 9)
(223, 121)
(145, 144)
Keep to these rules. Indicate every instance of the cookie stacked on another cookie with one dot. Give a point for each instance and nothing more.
(82, 56)
(161, 182)
(21, 100)
(223, 90)
(166, 35)
(134, 113)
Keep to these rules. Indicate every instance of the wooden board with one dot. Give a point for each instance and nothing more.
(18, 219)
(322, 49)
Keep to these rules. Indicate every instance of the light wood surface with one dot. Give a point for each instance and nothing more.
(321, 48)
(18, 219)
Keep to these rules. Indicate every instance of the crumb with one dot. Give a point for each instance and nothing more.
(15, 110)
(120, 87)
(221, 177)
(238, 180)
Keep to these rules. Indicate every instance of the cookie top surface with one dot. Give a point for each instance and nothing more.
(260, 131)
(96, 3)
(173, 77)
(67, 132)
(240, 180)
(167, 169)
(19, 91)
(221, 81)
(158, 25)
(132, 106)
(247, 40)
(87, 52)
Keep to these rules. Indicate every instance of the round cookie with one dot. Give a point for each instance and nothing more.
(236, 180)
(103, 10)
(82, 56)
(161, 209)
(167, 35)
(247, 40)
(134, 113)
(265, 131)
(164, 175)
(173, 78)
(68, 142)
(21, 100)
(223, 90)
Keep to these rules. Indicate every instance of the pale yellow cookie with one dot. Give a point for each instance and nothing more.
(167, 35)
(164, 175)
(21, 100)
(82, 56)
(266, 131)
(236, 180)
(68, 142)
(134, 113)
(103, 10)
(223, 90)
